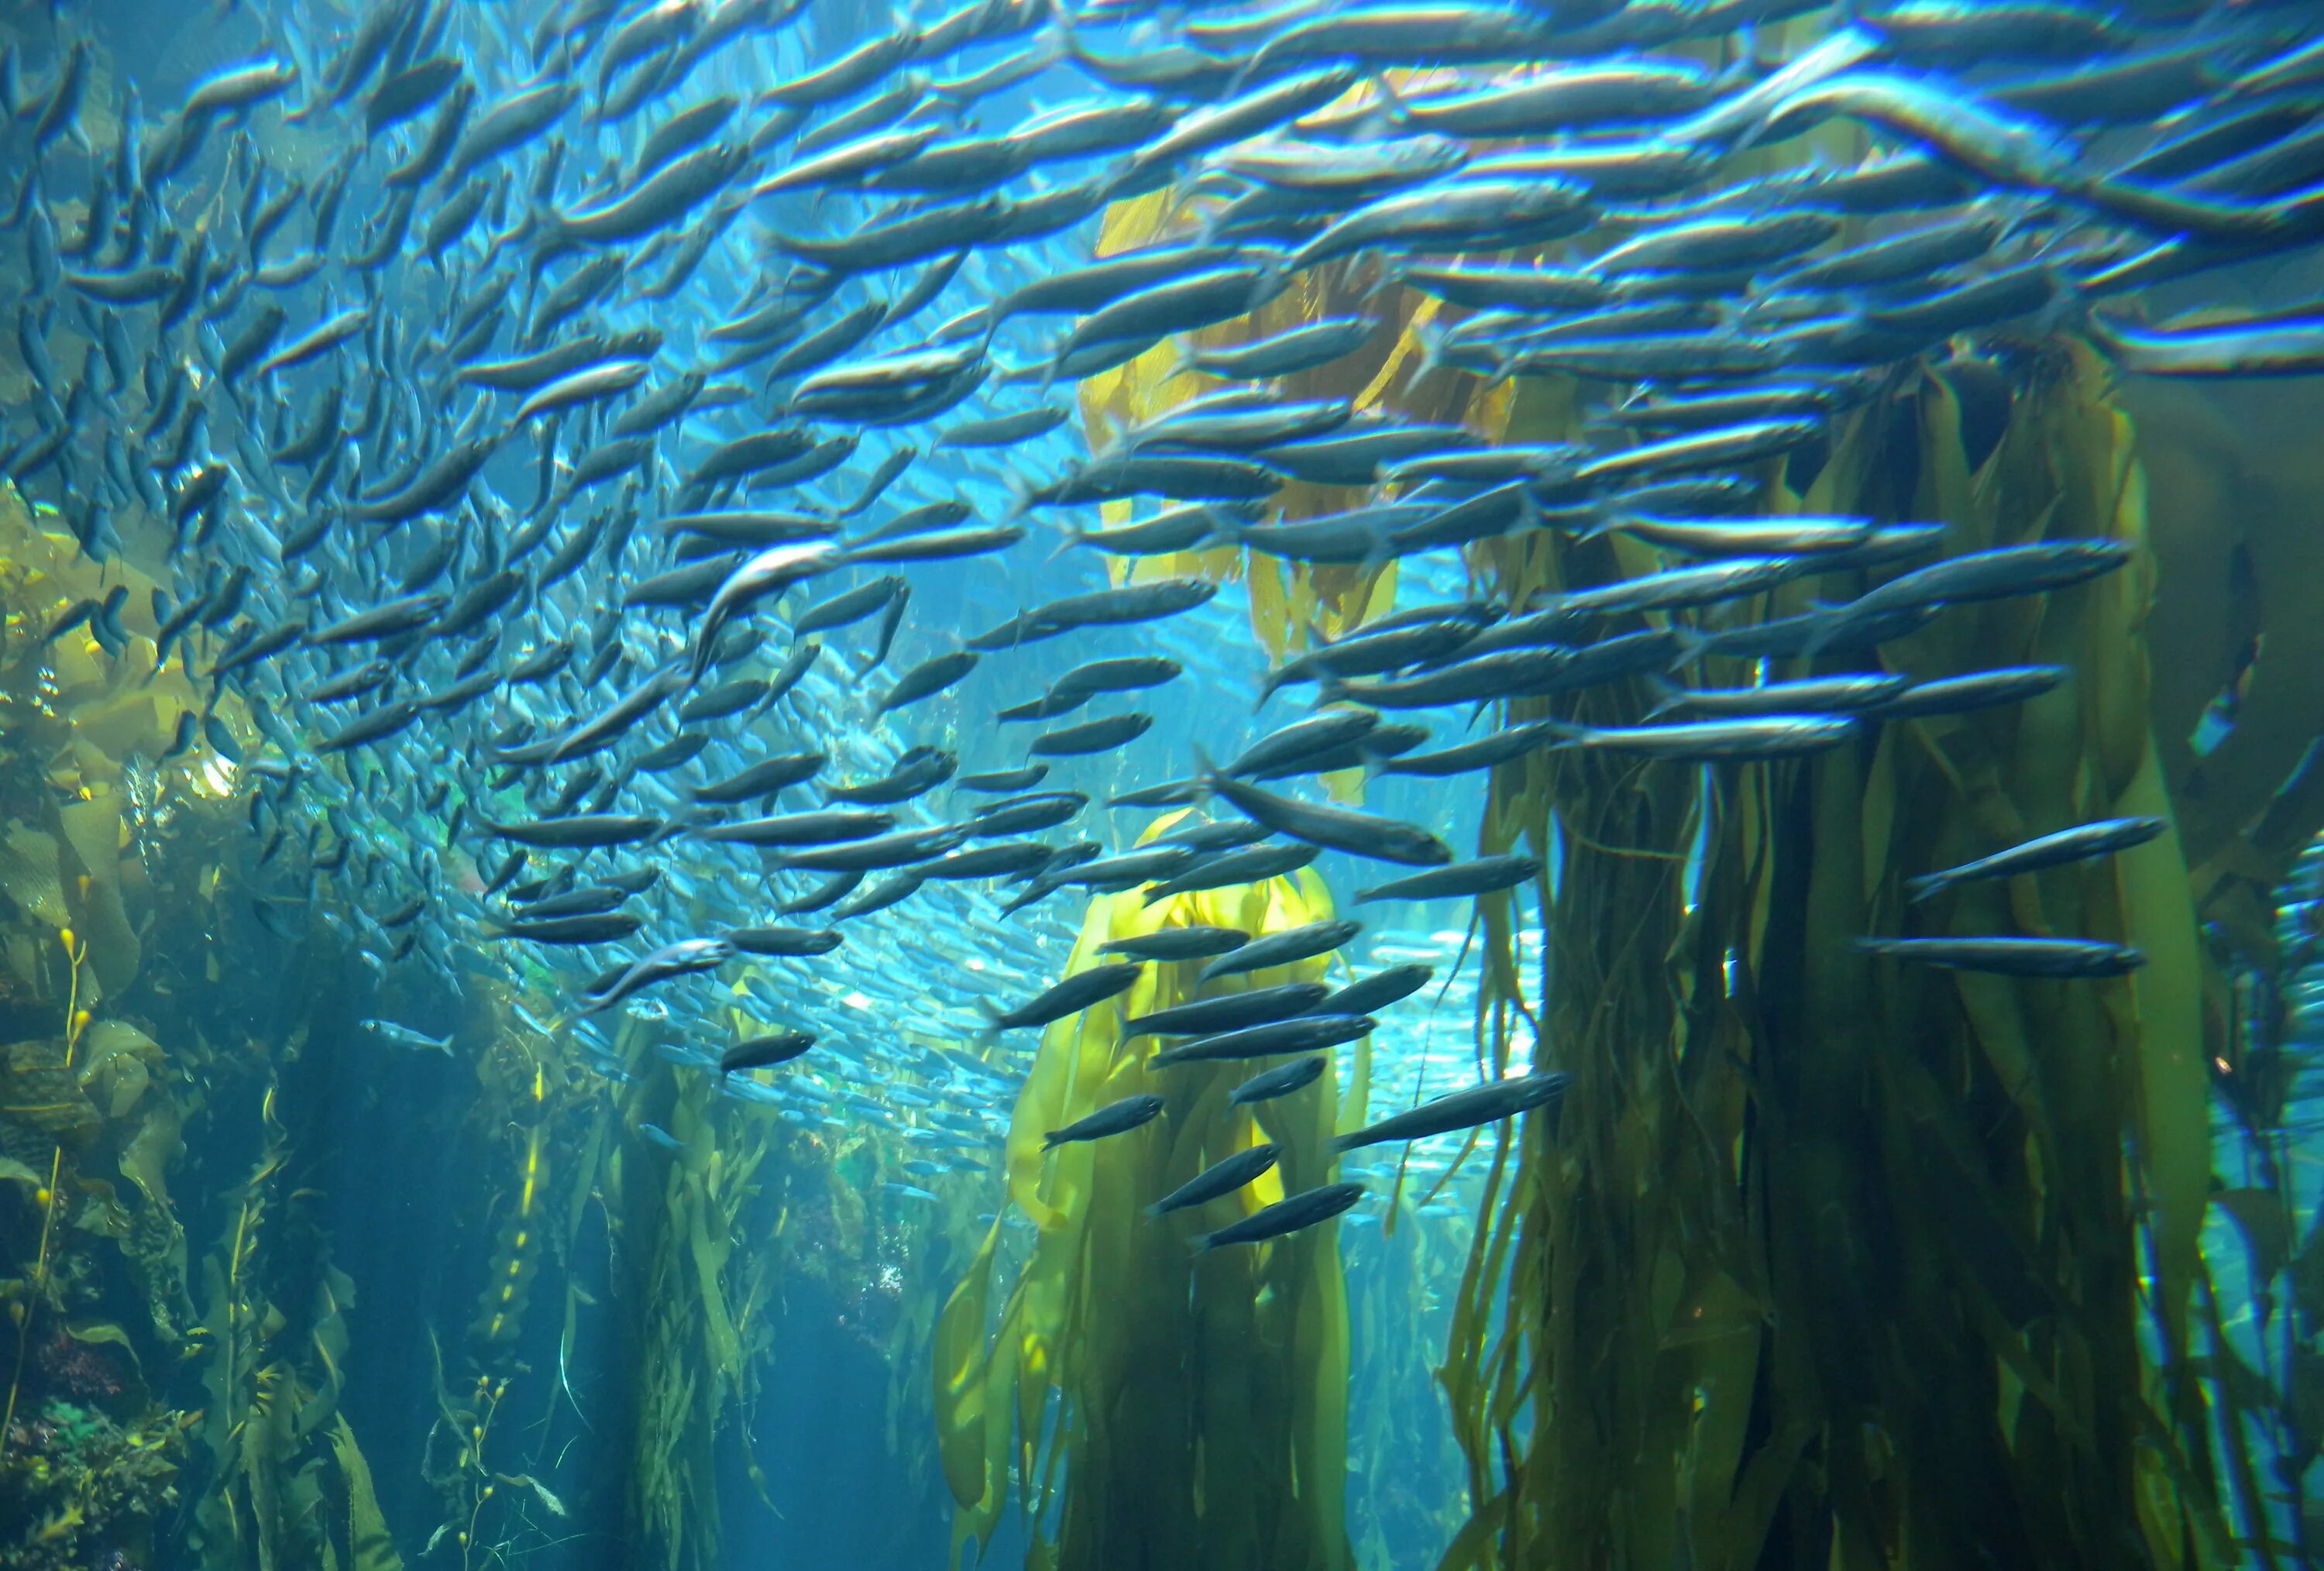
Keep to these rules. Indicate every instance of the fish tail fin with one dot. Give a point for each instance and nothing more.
(1603, 520)
(1921, 888)
(1206, 773)
(1269, 284)
(987, 324)
(1400, 111)
(1058, 34)
(1053, 1140)
(2105, 332)
(1206, 231)
(1668, 695)
(1749, 63)
(1693, 643)
(1431, 335)
(539, 217)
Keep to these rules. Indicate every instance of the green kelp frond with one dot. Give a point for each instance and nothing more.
(288, 1485)
(692, 1345)
(1834, 1262)
(1152, 1409)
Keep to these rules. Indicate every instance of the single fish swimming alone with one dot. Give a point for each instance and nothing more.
(403, 1036)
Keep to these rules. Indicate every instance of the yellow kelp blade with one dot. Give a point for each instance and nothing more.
(1202, 1402)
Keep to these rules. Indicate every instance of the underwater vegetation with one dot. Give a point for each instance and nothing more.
(1200, 1397)
(1859, 1164)
(1296, 787)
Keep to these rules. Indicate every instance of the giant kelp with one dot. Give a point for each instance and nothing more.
(1833, 1262)
(683, 1309)
(142, 1100)
(1851, 1245)
(282, 1479)
(288, 1485)
(2264, 1245)
(1404, 1496)
(92, 1123)
(1156, 1409)
(694, 1339)
(1827, 1246)
(87, 1458)
(1291, 603)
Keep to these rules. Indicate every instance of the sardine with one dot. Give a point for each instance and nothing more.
(1478, 1104)
(1222, 1178)
(1290, 1214)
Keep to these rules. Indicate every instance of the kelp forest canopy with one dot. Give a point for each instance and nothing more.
(1809, 1258)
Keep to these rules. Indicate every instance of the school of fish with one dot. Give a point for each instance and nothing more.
(605, 445)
